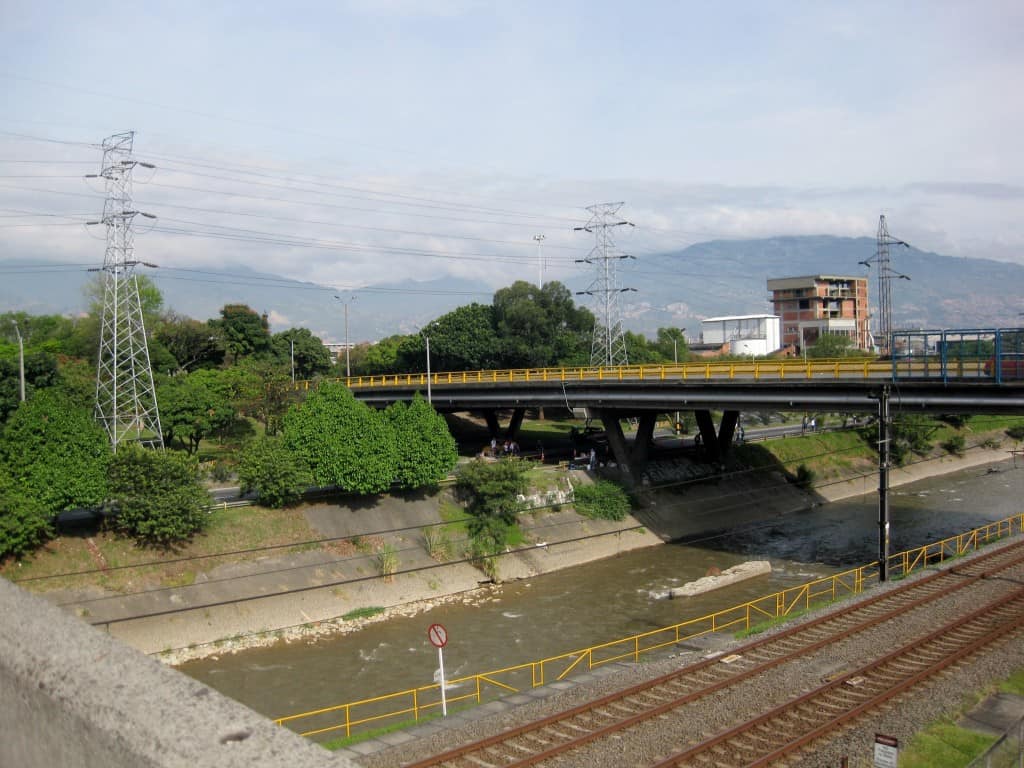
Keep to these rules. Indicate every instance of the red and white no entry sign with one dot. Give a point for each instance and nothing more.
(438, 635)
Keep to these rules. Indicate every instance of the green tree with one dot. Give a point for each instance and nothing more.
(381, 357)
(492, 490)
(832, 345)
(193, 344)
(426, 449)
(40, 372)
(639, 350)
(541, 327)
(344, 442)
(263, 392)
(24, 524)
(271, 471)
(462, 340)
(311, 356)
(243, 331)
(157, 495)
(194, 407)
(671, 345)
(55, 453)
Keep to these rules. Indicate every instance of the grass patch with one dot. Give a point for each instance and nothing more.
(374, 733)
(117, 563)
(764, 626)
(437, 543)
(1014, 683)
(363, 613)
(944, 745)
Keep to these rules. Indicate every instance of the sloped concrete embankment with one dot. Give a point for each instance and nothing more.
(306, 594)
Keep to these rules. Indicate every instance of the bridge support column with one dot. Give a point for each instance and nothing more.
(491, 417)
(494, 427)
(516, 422)
(716, 442)
(642, 443)
(632, 462)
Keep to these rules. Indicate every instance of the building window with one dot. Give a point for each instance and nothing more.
(804, 304)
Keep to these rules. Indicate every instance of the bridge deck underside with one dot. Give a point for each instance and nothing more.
(641, 397)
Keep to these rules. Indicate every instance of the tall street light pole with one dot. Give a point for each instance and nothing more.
(429, 398)
(540, 260)
(348, 363)
(21, 360)
(426, 339)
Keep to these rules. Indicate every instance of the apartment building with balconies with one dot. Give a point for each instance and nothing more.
(815, 305)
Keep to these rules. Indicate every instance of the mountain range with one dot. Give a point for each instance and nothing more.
(676, 289)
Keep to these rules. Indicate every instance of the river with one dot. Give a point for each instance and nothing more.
(589, 604)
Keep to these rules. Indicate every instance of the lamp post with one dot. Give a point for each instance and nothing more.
(540, 260)
(348, 365)
(21, 360)
(426, 339)
(429, 398)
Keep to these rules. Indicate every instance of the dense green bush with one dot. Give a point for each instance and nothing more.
(24, 524)
(274, 473)
(805, 477)
(603, 499)
(426, 449)
(955, 445)
(157, 496)
(343, 441)
(491, 490)
(1016, 432)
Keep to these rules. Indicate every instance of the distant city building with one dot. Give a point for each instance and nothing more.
(822, 304)
(756, 335)
(337, 349)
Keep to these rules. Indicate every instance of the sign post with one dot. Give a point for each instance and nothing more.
(438, 637)
(887, 751)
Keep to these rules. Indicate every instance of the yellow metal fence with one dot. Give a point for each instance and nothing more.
(769, 370)
(344, 720)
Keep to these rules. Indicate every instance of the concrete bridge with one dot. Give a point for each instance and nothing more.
(641, 393)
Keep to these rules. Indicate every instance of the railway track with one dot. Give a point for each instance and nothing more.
(633, 707)
(790, 727)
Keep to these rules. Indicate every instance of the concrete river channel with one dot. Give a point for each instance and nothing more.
(586, 605)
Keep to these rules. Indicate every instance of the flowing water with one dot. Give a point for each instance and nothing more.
(620, 596)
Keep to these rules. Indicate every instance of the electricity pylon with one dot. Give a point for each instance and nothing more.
(609, 343)
(886, 274)
(125, 395)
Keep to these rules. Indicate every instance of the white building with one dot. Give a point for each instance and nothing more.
(745, 334)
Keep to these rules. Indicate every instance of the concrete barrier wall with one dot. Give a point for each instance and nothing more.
(72, 696)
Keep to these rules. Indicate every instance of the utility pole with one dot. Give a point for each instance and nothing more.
(540, 260)
(21, 360)
(884, 438)
(346, 302)
(125, 394)
(291, 344)
(609, 343)
(427, 339)
(886, 274)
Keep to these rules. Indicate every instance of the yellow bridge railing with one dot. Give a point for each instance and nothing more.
(757, 370)
(343, 720)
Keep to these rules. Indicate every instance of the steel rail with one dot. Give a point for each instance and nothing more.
(969, 573)
(879, 670)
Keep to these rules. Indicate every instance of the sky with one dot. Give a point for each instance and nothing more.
(354, 142)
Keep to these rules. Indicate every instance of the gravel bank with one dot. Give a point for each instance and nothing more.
(945, 695)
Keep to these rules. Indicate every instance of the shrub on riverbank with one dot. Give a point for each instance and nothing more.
(603, 500)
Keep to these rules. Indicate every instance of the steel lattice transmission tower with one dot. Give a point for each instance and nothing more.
(609, 344)
(886, 274)
(125, 395)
